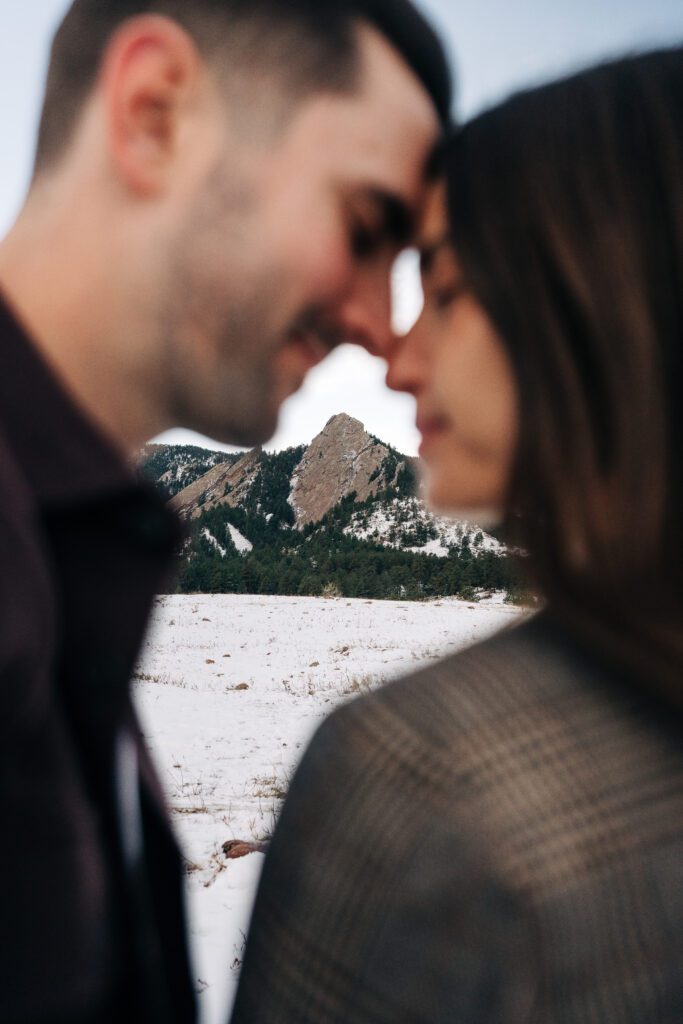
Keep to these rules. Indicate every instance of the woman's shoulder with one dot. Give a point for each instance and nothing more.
(527, 701)
(524, 733)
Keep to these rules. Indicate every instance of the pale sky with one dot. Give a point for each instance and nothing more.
(496, 46)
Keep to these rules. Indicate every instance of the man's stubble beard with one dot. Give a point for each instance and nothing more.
(229, 396)
(220, 321)
(224, 325)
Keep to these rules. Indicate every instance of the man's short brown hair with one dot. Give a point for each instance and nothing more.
(308, 45)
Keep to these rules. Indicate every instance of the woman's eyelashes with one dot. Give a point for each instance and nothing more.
(443, 295)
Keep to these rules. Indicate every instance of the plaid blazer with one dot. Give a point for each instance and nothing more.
(496, 838)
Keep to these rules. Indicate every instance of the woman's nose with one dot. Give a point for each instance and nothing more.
(406, 361)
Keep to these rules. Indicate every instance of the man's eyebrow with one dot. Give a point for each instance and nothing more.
(428, 253)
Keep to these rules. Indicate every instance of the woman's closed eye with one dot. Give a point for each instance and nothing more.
(442, 295)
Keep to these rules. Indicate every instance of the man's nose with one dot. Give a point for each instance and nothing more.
(365, 314)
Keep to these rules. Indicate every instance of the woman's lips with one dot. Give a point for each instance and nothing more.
(431, 428)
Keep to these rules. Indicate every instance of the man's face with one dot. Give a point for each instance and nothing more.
(285, 248)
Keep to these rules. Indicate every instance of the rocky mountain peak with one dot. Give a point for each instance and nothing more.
(342, 422)
(343, 458)
(225, 484)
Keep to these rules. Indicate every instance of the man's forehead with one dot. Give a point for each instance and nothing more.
(394, 112)
(392, 132)
(387, 78)
(381, 159)
(394, 179)
(373, 142)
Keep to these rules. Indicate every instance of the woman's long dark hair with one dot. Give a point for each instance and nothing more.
(566, 209)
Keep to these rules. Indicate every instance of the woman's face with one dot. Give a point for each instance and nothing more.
(456, 367)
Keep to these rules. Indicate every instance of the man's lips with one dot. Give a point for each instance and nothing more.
(307, 347)
(299, 352)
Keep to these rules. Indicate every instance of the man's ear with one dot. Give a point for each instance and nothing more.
(150, 75)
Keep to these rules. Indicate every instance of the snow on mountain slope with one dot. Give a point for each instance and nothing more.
(239, 540)
(407, 523)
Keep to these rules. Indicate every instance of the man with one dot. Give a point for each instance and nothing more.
(219, 191)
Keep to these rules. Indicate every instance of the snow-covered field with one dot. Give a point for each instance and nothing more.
(229, 689)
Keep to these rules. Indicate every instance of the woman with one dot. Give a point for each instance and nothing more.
(500, 838)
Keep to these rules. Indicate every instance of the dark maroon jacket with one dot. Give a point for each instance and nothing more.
(86, 932)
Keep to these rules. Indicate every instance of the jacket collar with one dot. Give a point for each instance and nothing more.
(63, 456)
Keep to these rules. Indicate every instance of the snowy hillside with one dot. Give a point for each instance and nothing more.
(407, 523)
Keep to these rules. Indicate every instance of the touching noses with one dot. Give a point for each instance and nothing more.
(364, 318)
